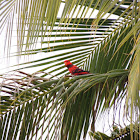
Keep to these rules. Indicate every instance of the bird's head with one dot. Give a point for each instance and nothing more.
(67, 63)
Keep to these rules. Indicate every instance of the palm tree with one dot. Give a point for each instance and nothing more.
(123, 134)
(49, 105)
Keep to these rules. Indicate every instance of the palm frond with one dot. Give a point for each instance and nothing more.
(34, 97)
(61, 107)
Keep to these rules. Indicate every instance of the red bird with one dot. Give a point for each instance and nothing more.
(74, 70)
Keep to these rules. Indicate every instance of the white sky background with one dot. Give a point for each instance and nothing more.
(6, 62)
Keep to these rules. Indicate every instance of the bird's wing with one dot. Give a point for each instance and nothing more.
(76, 70)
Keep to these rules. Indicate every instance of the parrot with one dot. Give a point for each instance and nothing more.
(73, 69)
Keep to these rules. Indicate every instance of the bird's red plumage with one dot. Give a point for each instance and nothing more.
(74, 70)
